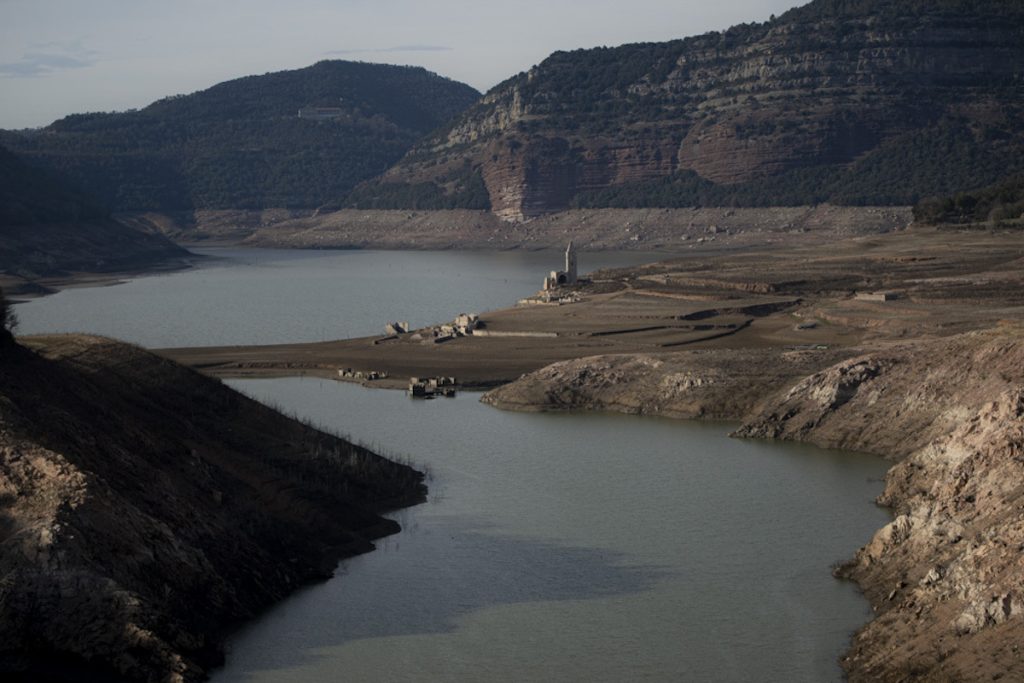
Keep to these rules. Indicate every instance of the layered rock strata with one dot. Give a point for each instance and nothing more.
(854, 91)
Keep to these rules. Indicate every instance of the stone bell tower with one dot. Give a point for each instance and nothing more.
(570, 264)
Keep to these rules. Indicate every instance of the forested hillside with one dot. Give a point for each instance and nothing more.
(998, 204)
(242, 143)
(49, 228)
(29, 196)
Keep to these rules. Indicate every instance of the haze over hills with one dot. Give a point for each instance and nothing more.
(844, 101)
(243, 144)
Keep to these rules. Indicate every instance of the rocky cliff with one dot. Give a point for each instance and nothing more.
(145, 510)
(875, 101)
(945, 578)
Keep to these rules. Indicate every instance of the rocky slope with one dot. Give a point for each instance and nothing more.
(878, 101)
(244, 144)
(145, 509)
(715, 384)
(894, 401)
(945, 577)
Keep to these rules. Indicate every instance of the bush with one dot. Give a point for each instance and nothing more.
(8, 320)
(996, 204)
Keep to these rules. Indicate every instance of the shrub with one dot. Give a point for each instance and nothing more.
(8, 320)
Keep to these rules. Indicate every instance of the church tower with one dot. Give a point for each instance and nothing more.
(570, 264)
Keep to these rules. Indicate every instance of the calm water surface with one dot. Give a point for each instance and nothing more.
(270, 296)
(576, 547)
(565, 547)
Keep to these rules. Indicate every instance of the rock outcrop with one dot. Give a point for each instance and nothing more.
(869, 102)
(897, 400)
(146, 509)
(713, 384)
(945, 577)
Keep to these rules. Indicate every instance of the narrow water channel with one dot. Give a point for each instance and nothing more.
(576, 547)
(553, 547)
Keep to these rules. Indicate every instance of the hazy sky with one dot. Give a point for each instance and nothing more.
(59, 57)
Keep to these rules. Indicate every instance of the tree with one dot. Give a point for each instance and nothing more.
(8, 320)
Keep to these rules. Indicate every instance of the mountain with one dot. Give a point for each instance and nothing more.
(244, 144)
(146, 510)
(843, 101)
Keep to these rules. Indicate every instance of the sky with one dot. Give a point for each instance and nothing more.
(60, 57)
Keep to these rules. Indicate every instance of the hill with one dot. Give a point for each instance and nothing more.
(243, 144)
(48, 228)
(145, 510)
(30, 196)
(851, 102)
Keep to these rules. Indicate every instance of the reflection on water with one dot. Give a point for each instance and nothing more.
(570, 547)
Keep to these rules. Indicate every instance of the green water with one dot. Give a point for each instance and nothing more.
(576, 547)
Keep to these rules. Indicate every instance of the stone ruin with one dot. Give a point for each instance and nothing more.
(429, 387)
(563, 278)
(359, 375)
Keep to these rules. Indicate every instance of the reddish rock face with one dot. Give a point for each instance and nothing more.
(818, 88)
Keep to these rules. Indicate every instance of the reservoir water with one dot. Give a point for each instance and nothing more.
(271, 296)
(552, 547)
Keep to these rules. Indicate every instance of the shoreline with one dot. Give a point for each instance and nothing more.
(20, 289)
(226, 499)
(830, 368)
(668, 230)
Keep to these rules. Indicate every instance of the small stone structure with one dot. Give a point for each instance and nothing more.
(321, 113)
(429, 387)
(876, 296)
(359, 375)
(464, 325)
(561, 278)
(395, 329)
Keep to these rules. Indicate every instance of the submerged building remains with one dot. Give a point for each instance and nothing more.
(560, 278)
(429, 387)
